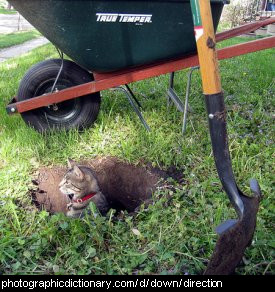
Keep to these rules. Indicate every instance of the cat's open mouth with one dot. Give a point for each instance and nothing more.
(70, 196)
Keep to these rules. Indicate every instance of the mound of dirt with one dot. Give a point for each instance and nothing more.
(47, 195)
(125, 186)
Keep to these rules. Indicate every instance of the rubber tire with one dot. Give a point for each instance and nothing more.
(44, 74)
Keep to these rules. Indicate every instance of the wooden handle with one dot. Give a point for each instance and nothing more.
(206, 43)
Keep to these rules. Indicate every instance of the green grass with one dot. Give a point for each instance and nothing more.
(3, 10)
(6, 11)
(17, 38)
(176, 237)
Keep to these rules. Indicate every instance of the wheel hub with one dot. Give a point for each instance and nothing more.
(61, 112)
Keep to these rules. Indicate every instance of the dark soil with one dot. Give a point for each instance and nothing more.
(125, 186)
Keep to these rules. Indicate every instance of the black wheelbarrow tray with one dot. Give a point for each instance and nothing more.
(114, 43)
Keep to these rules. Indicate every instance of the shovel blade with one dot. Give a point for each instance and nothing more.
(234, 239)
(226, 226)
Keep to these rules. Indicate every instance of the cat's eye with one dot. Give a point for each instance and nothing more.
(72, 186)
(77, 188)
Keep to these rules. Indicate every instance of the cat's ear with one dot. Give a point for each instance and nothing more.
(78, 172)
(70, 163)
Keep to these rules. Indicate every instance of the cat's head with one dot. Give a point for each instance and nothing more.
(78, 181)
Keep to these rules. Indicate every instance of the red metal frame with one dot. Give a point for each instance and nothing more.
(109, 80)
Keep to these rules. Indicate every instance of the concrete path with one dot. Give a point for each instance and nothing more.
(18, 50)
(13, 22)
(10, 23)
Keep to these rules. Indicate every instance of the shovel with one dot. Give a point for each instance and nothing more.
(235, 234)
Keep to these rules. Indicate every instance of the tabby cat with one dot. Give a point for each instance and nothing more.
(81, 186)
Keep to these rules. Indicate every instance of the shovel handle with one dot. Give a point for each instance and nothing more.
(206, 43)
(212, 89)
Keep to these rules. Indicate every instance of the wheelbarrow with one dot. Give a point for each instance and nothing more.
(114, 43)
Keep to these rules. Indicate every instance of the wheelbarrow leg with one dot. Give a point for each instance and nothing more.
(132, 99)
(173, 97)
(171, 86)
(236, 234)
(187, 94)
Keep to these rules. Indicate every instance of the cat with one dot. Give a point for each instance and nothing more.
(81, 186)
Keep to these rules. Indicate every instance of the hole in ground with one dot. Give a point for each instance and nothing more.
(125, 186)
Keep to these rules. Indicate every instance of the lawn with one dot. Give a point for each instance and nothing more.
(175, 236)
(6, 11)
(17, 38)
(3, 10)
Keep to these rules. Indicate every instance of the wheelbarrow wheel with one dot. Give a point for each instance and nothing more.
(78, 113)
